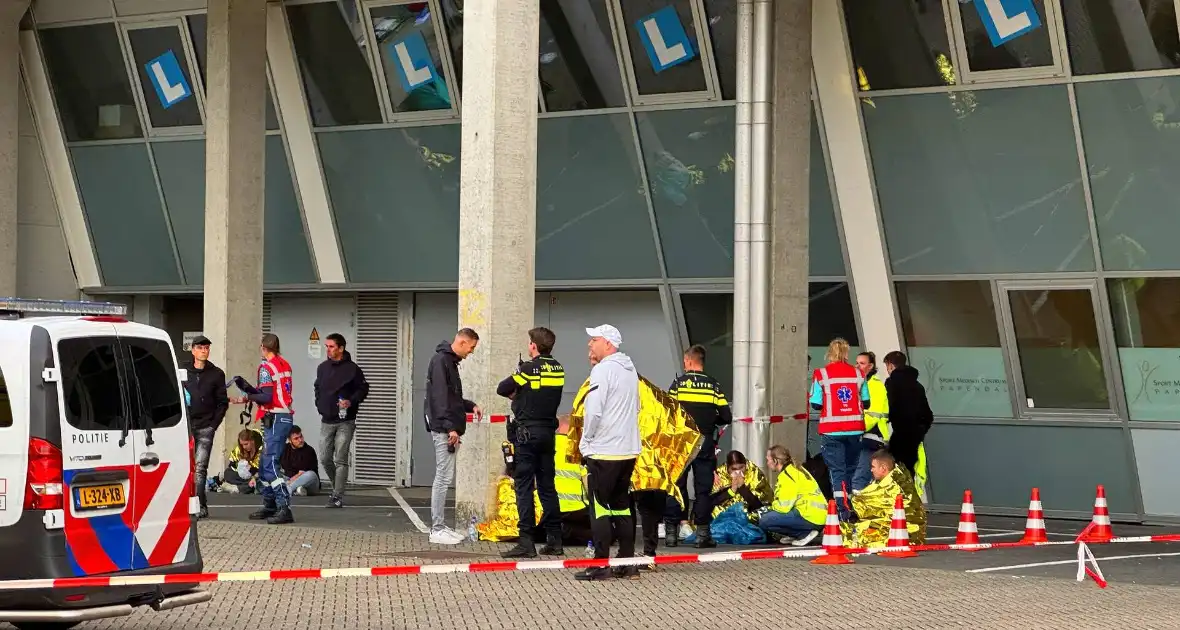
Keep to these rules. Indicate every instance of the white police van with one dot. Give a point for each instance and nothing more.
(96, 473)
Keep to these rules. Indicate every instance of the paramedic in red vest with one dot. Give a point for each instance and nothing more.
(841, 395)
(273, 397)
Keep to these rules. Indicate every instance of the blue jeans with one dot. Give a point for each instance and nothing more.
(275, 494)
(843, 455)
(308, 480)
(202, 449)
(864, 467)
(787, 524)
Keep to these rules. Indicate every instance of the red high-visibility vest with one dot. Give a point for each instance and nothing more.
(842, 411)
(280, 375)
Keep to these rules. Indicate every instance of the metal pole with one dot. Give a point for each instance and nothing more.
(758, 382)
(741, 224)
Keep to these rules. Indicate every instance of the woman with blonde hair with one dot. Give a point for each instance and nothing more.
(841, 395)
(799, 510)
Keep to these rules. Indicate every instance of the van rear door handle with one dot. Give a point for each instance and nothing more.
(149, 459)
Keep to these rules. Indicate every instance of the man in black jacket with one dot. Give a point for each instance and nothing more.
(909, 411)
(446, 419)
(207, 401)
(340, 388)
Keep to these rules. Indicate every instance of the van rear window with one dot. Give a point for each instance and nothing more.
(107, 379)
(5, 403)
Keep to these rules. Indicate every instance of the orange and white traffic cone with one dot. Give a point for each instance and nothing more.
(899, 533)
(1099, 529)
(1034, 527)
(833, 540)
(968, 530)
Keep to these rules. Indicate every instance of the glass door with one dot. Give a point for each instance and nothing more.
(1058, 352)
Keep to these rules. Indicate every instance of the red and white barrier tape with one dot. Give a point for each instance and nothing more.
(531, 565)
(771, 419)
(495, 419)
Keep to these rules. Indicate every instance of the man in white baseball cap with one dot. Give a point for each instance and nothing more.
(610, 445)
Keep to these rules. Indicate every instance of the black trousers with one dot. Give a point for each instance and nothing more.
(650, 505)
(702, 469)
(904, 447)
(535, 468)
(609, 482)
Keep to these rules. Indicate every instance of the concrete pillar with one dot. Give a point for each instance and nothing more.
(790, 202)
(235, 129)
(11, 12)
(497, 223)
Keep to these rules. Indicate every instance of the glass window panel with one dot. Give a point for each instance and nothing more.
(148, 45)
(122, 206)
(199, 28)
(1129, 130)
(1060, 357)
(1146, 313)
(589, 179)
(90, 84)
(395, 195)
(722, 15)
(830, 314)
(181, 166)
(979, 182)
(330, 44)
(688, 154)
(1119, 36)
(400, 30)
(579, 66)
(953, 341)
(453, 24)
(899, 43)
(1030, 50)
(685, 76)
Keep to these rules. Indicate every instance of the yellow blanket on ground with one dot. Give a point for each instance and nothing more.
(874, 507)
(670, 439)
(503, 527)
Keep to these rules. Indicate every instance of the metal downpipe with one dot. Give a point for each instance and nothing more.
(761, 152)
(743, 113)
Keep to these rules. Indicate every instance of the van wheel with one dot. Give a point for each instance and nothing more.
(47, 625)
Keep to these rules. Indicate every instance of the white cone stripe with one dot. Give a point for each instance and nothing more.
(358, 572)
(967, 509)
(1035, 505)
(1100, 502)
(1035, 523)
(968, 528)
(1101, 519)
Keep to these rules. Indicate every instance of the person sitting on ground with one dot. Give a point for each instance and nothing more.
(873, 506)
(300, 465)
(735, 481)
(799, 509)
(241, 471)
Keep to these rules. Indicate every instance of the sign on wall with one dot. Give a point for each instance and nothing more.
(411, 58)
(964, 382)
(186, 340)
(1151, 377)
(664, 38)
(168, 79)
(1005, 20)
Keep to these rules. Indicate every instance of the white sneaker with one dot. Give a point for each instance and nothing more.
(445, 537)
(686, 530)
(804, 541)
(300, 492)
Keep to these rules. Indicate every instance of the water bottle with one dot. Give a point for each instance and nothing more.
(472, 535)
(590, 549)
(341, 412)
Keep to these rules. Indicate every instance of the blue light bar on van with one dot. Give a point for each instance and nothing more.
(60, 307)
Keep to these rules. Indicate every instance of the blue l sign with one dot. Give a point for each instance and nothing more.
(411, 57)
(1005, 20)
(168, 79)
(665, 40)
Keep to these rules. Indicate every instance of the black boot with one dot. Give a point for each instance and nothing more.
(282, 517)
(592, 574)
(266, 512)
(524, 549)
(671, 534)
(705, 538)
(553, 546)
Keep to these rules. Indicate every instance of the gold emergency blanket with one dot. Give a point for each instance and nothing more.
(503, 527)
(874, 506)
(757, 483)
(670, 439)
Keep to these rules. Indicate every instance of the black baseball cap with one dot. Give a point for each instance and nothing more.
(201, 340)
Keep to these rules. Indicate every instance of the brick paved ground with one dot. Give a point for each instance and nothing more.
(774, 593)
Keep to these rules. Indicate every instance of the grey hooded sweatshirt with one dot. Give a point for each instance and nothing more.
(611, 424)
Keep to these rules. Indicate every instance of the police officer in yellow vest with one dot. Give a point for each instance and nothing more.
(535, 389)
(877, 427)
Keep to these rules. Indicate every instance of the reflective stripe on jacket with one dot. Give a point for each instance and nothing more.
(797, 489)
(841, 386)
(567, 478)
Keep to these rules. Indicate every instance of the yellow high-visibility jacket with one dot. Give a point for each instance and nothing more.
(797, 489)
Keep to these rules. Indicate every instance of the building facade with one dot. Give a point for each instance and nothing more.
(989, 196)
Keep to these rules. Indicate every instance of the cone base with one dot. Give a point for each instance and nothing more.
(833, 559)
(899, 554)
(1034, 538)
(1102, 537)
